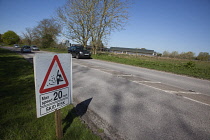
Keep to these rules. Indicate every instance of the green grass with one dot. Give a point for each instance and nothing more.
(57, 50)
(198, 69)
(100, 130)
(18, 110)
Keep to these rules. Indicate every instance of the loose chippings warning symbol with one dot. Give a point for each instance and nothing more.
(55, 77)
(53, 82)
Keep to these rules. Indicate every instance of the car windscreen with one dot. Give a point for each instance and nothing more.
(81, 48)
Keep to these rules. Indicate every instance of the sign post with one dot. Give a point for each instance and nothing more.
(53, 85)
(58, 124)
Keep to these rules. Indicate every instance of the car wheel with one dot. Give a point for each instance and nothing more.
(77, 56)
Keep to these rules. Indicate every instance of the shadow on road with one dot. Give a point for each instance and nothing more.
(82, 107)
(77, 111)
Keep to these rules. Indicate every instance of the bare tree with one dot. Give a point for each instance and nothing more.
(108, 16)
(28, 36)
(174, 54)
(187, 55)
(92, 20)
(166, 54)
(75, 17)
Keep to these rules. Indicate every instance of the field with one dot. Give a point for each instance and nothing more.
(198, 69)
(18, 119)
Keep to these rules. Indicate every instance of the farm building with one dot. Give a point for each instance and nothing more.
(135, 51)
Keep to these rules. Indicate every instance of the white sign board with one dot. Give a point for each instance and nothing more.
(53, 82)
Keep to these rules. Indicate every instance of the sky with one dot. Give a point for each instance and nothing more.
(160, 25)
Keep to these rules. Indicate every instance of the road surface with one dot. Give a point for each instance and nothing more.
(137, 103)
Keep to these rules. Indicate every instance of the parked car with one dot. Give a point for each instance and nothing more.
(26, 49)
(34, 48)
(16, 46)
(79, 52)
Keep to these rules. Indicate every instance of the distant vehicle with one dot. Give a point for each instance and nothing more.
(26, 49)
(16, 46)
(34, 48)
(79, 52)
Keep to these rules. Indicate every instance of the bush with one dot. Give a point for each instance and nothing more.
(189, 64)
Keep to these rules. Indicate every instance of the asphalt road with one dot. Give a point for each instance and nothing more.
(142, 103)
(137, 103)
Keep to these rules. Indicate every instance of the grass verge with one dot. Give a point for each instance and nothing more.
(198, 69)
(57, 50)
(18, 110)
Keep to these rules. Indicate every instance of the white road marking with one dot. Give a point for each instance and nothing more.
(195, 101)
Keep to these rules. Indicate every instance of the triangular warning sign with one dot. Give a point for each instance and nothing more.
(55, 77)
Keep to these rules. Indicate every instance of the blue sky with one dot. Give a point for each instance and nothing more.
(171, 25)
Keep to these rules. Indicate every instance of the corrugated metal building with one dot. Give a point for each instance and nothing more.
(132, 51)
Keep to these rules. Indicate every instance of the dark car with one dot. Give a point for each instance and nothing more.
(26, 49)
(79, 52)
(34, 48)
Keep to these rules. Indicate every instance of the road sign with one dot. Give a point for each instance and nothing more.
(55, 77)
(53, 82)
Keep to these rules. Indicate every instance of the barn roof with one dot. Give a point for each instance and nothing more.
(144, 51)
